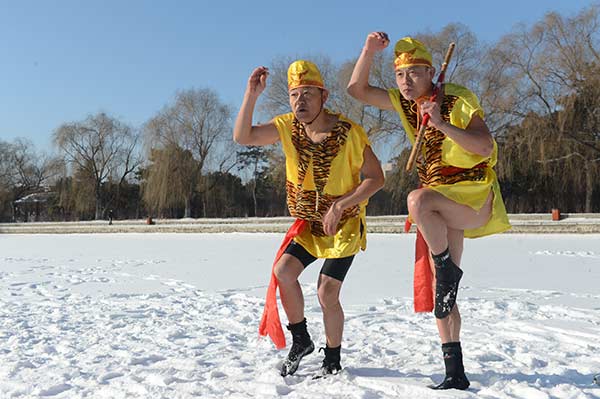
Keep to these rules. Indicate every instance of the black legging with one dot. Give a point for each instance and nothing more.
(336, 268)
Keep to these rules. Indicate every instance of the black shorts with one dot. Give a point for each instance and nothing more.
(336, 268)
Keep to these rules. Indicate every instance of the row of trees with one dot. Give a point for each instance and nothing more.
(540, 86)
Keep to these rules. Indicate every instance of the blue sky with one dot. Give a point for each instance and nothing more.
(64, 60)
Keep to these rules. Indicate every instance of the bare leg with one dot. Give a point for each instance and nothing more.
(287, 271)
(442, 222)
(434, 214)
(333, 314)
(449, 327)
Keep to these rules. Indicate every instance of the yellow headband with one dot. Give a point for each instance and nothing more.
(304, 73)
(409, 52)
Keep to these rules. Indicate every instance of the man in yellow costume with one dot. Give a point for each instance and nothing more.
(331, 172)
(459, 194)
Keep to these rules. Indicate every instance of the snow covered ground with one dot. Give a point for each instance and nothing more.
(176, 316)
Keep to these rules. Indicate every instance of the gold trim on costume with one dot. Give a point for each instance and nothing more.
(406, 59)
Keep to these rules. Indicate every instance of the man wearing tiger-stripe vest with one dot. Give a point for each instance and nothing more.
(331, 171)
(459, 194)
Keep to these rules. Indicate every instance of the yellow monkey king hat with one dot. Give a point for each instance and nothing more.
(303, 73)
(409, 52)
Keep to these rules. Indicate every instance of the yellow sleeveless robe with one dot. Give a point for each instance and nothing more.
(319, 173)
(471, 184)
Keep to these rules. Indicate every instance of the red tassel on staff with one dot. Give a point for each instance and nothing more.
(270, 324)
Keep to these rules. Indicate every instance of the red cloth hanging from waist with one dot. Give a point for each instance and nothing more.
(423, 277)
(270, 324)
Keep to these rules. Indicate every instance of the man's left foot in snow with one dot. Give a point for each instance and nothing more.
(331, 363)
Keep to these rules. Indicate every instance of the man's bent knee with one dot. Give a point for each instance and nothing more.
(412, 201)
(417, 202)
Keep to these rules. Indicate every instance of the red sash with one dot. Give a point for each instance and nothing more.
(423, 278)
(270, 323)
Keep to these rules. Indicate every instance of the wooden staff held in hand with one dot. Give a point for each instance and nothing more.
(436, 89)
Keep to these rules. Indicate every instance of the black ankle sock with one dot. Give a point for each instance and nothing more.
(333, 351)
(455, 344)
(299, 332)
(332, 355)
(442, 259)
(300, 326)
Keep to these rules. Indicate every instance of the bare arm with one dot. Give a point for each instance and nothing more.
(476, 138)
(359, 86)
(243, 131)
(373, 180)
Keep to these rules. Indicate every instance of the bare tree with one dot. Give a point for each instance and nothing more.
(550, 70)
(531, 68)
(200, 123)
(102, 148)
(33, 170)
(465, 64)
(23, 171)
